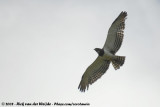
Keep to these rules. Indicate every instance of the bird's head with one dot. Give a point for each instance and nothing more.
(99, 51)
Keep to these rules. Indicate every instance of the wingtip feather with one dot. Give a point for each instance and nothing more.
(83, 86)
(124, 13)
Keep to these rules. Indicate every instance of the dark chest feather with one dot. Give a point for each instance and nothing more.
(101, 52)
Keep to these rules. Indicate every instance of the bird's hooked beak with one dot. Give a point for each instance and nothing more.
(97, 50)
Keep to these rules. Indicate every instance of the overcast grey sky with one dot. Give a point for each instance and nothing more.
(46, 45)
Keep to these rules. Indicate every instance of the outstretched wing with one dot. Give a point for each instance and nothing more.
(93, 72)
(115, 34)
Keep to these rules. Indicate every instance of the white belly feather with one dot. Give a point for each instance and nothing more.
(108, 56)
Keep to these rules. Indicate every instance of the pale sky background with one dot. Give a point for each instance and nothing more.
(46, 45)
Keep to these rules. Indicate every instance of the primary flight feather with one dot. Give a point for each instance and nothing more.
(106, 55)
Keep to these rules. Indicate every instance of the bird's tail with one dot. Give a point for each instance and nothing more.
(118, 61)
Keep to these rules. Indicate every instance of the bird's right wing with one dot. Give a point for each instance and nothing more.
(93, 72)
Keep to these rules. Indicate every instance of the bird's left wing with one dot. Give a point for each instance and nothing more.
(93, 72)
(115, 34)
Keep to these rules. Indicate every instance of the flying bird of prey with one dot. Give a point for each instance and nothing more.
(107, 54)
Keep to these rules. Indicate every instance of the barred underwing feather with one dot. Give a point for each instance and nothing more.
(97, 74)
(115, 34)
(93, 73)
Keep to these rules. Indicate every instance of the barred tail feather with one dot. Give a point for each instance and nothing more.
(118, 61)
